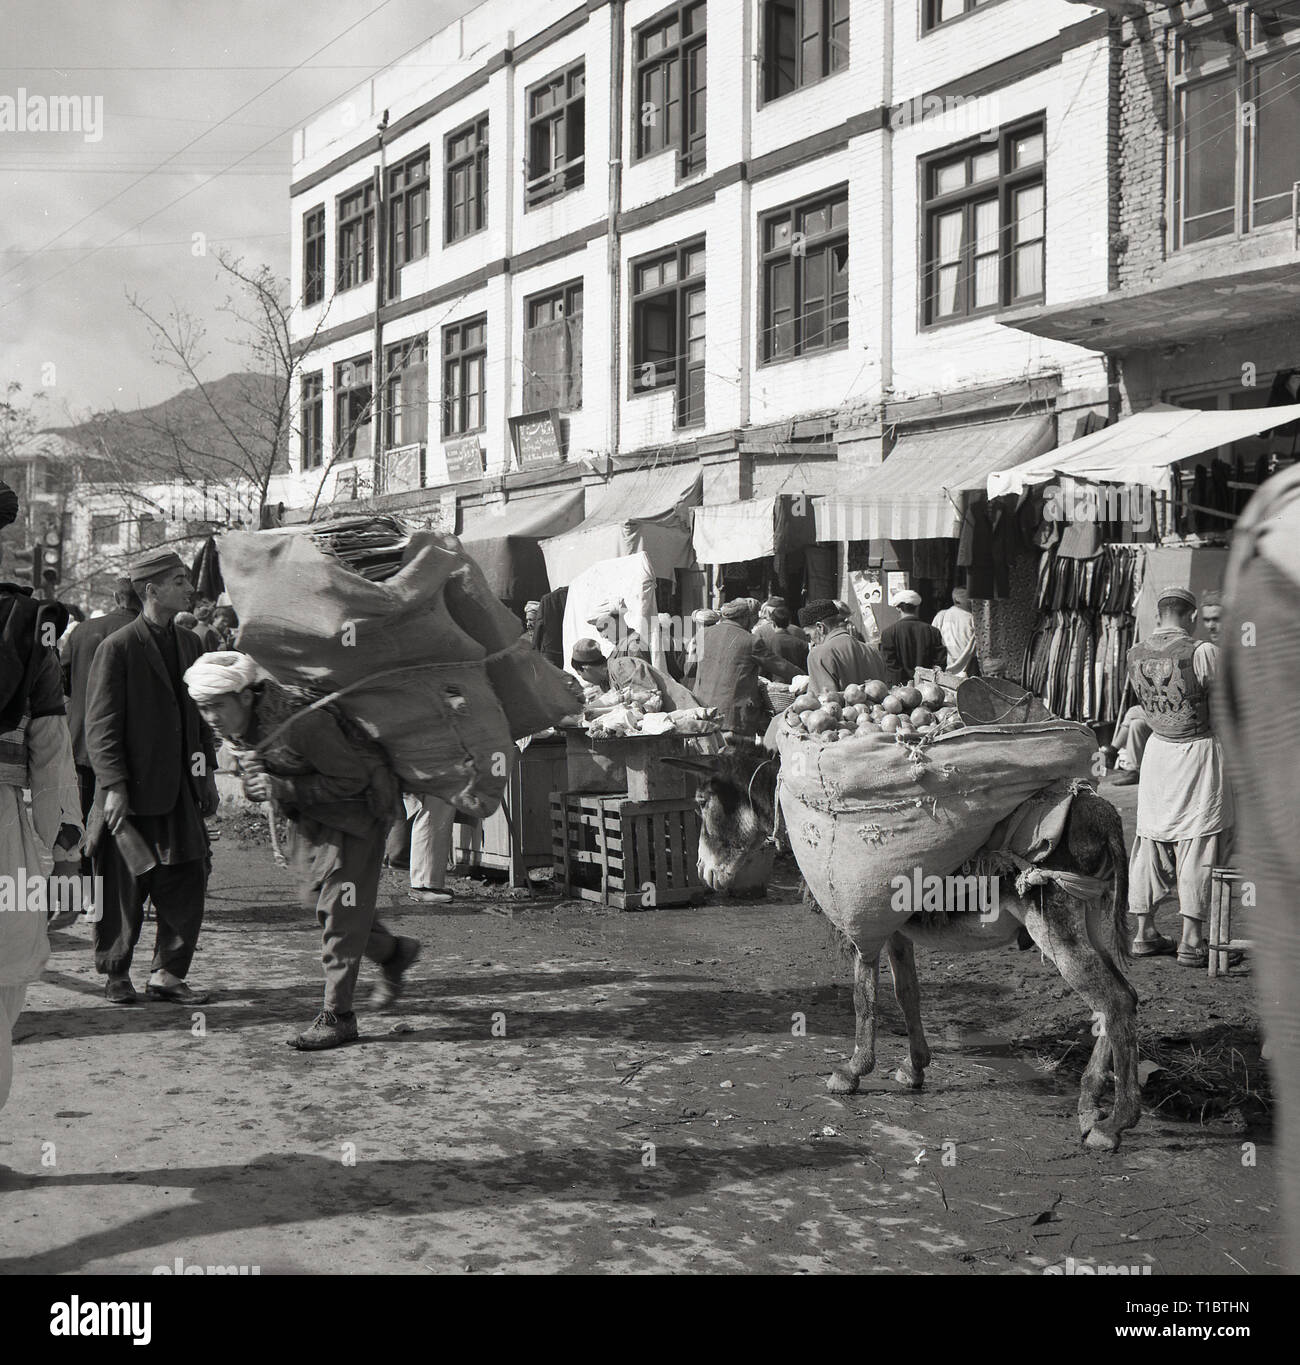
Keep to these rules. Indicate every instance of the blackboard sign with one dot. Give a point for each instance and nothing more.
(536, 438)
(464, 459)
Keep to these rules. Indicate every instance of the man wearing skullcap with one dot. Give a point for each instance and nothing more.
(701, 620)
(78, 654)
(1185, 814)
(731, 661)
(837, 658)
(620, 673)
(340, 796)
(155, 771)
(35, 753)
(910, 643)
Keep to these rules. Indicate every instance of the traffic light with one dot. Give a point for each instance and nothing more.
(21, 566)
(51, 560)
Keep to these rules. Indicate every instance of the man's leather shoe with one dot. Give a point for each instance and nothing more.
(120, 991)
(389, 985)
(179, 994)
(327, 1030)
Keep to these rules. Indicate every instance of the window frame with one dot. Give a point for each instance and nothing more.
(829, 46)
(311, 433)
(684, 50)
(364, 221)
(345, 433)
(476, 162)
(394, 376)
(403, 193)
(462, 358)
(312, 239)
(825, 243)
(1004, 187)
(683, 368)
(929, 24)
(570, 173)
(1252, 50)
(563, 294)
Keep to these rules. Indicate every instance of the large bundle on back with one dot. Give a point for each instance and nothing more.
(405, 630)
(862, 812)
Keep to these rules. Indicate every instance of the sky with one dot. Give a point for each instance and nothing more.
(172, 94)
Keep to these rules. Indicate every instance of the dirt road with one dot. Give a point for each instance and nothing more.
(566, 1089)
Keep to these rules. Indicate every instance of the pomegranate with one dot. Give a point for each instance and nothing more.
(921, 717)
(876, 690)
(893, 705)
(889, 724)
(931, 695)
(854, 695)
(819, 723)
(910, 698)
(836, 697)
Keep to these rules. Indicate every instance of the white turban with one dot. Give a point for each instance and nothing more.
(214, 675)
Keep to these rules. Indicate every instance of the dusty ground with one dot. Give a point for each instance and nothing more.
(649, 1107)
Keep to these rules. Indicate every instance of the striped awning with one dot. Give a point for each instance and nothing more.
(916, 494)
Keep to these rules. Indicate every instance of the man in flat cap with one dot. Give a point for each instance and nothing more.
(78, 654)
(837, 657)
(910, 643)
(155, 767)
(731, 660)
(340, 795)
(1185, 813)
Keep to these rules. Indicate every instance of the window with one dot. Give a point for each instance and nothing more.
(312, 421)
(553, 350)
(668, 328)
(464, 361)
(466, 159)
(352, 409)
(105, 529)
(806, 277)
(985, 229)
(406, 407)
(1237, 109)
(938, 12)
(408, 213)
(803, 41)
(556, 136)
(356, 217)
(313, 255)
(670, 78)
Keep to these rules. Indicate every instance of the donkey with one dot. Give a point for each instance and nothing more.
(1085, 939)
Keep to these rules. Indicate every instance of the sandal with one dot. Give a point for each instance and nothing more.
(1160, 946)
(1200, 957)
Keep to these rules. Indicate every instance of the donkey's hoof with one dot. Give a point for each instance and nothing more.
(1089, 1119)
(1100, 1140)
(913, 1080)
(842, 1081)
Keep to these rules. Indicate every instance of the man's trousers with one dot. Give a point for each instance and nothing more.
(11, 1006)
(1157, 868)
(176, 890)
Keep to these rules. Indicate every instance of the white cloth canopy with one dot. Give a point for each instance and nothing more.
(1140, 449)
(633, 579)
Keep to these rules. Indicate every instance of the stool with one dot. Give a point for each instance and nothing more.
(1223, 887)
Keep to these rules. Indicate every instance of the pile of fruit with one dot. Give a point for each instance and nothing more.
(909, 712)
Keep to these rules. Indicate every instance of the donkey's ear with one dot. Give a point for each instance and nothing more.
(705, 766)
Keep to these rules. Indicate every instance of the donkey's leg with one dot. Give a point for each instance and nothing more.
(844, 1079)
(1061, 932)
(907, 991)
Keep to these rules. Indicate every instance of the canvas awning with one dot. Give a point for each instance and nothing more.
(1140, 449)
(504, 543)
(916, 494)
(642, 510)
(732, 532)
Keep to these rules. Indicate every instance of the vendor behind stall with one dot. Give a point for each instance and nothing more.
(837, 658)
(611, 624)
(621, 671)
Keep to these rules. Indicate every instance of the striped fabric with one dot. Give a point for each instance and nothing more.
(916, 494)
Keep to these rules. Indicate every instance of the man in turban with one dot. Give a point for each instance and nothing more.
(340, 796)
(35, 753)
(154, 765)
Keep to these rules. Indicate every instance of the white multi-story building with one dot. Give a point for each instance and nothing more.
(774, 237)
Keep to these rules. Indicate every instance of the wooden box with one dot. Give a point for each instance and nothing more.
(630, 854)
(629, 765)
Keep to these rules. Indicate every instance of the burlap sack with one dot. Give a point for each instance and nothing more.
(417, 678)
(865, 810)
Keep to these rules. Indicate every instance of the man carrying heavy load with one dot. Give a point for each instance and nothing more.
(1185, 811)
(340, 797)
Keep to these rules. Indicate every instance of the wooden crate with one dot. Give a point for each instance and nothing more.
(629, 766)
(630, 854)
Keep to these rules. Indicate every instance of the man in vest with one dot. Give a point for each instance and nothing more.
(1185, 811)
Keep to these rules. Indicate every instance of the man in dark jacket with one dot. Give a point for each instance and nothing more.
(731, 660)
(78, 653)
(837, 658)
(781, 639)
(155, 767)
(911, 643)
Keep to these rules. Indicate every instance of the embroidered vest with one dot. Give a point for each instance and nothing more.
(1176, 704)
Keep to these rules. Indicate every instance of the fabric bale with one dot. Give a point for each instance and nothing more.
(862, 812)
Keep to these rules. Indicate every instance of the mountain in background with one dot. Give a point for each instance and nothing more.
(227, 434)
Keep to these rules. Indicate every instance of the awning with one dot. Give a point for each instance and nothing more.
(1141, 448)
(732, 532)
(916, 493)
(504, 543)
(643, 510)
